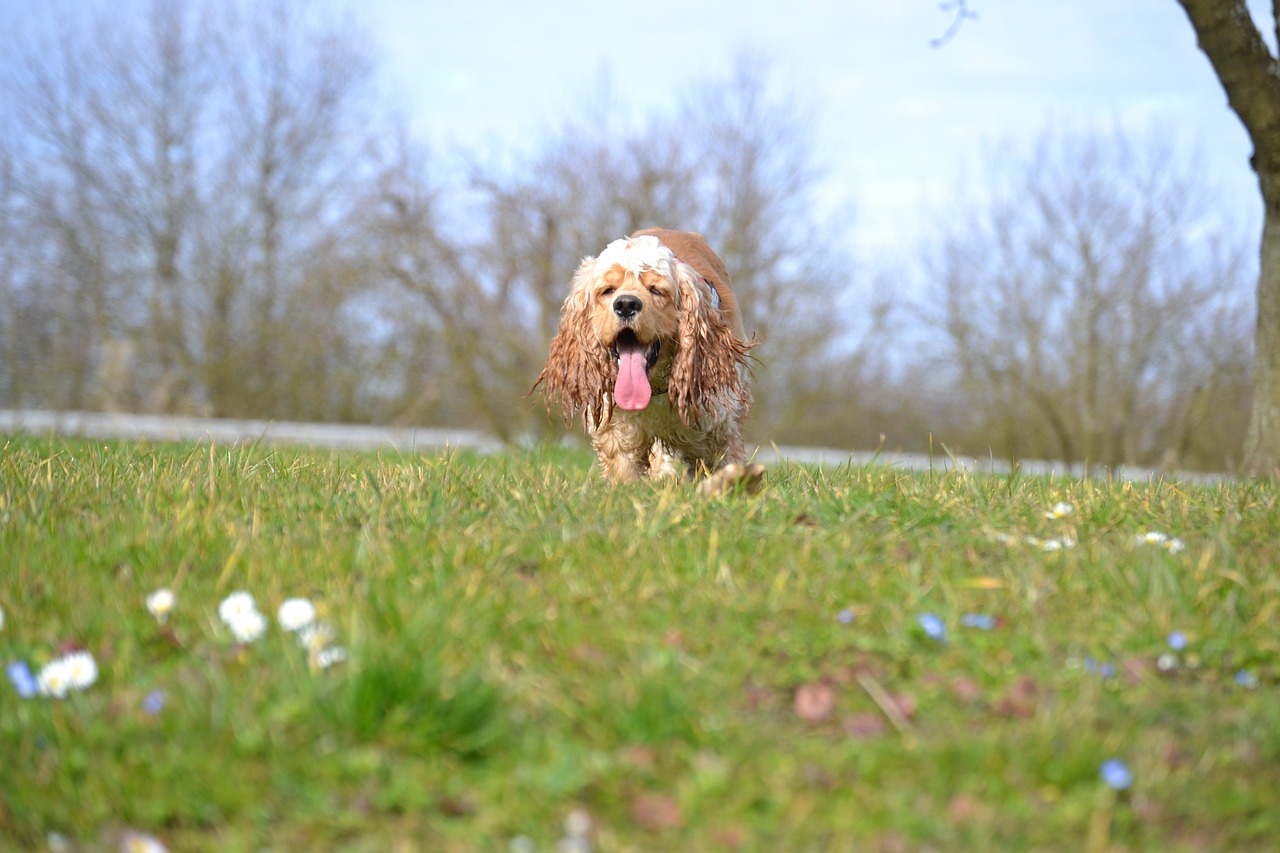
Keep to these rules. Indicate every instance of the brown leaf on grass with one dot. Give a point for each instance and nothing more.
(170, 638)
(864, 663)
(759, 696)
(1020, 702)
(964, 808)
(804, 520)
(656, 812)
(637, 758)
(1135, 669)
(730, 837)
(905, 703)
(818, 777)
(965, 689)
(587, 653)
(864, 726)
(815, 702)
(456, 807)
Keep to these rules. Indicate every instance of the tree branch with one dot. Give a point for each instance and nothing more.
(1229, 38)
(962, 13)
(1275, 19)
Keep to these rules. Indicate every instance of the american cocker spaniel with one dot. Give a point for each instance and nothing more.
(651, 353)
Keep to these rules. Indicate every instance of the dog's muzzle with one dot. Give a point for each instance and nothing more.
(627, 306)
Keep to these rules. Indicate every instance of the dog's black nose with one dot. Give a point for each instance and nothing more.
(627, 306)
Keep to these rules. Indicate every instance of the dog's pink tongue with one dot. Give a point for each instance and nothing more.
(632, 391)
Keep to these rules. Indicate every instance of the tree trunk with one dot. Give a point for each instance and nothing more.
(1245, 66)
(1262, 443)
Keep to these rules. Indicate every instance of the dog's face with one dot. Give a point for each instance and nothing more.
(635, 314)
(639, 322)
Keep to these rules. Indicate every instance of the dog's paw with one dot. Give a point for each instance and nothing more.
(734, 479)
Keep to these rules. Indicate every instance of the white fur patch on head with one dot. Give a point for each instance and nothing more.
(636, 254)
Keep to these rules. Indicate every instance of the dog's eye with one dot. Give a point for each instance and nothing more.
(655, 290)
(609, 291)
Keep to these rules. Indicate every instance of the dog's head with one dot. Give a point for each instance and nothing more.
(639, 322)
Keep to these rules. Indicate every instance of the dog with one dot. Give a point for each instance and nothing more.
(651, 354)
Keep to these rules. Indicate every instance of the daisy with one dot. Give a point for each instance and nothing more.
(140, 842)
(82, 670)
(295, 614)
(315, 635)
(160, 603)
(236, 605)
(330, 655)
(247, 625)
(1060, 510)
(54, 679)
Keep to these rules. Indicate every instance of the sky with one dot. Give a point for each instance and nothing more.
(901, 130)
(898, 125)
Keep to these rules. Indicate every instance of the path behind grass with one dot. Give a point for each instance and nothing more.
(527, 643)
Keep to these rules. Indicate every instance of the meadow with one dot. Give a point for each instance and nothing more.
(504, 653)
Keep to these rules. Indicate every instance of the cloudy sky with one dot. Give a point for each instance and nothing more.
(898, 125)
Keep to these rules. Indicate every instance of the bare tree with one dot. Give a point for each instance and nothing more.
(186, 176)
(759, 188)
(1076, 301)
(291, 169)
(733, 162)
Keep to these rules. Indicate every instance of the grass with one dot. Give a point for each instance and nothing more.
(526, 643)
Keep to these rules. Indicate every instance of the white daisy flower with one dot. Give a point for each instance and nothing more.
(54, 679)
(1174, 545)
(1060, 510)
(295, 614)
(316, 635)
(82, 670)
(236, 605)
(160, 603)
(577, 824)
(1152, 537)
(247, 625)
(330, 655)
(140, 842)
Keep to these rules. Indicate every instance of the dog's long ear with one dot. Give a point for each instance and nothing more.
(709, 372)
(579, 370)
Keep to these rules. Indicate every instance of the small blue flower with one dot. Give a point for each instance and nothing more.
(1099, 668)
(846, 616)
(1177, 641)
(23, 681)
(981, 621)
(1247, 679)
(153, 703)
(1116, 774)
(933, 626)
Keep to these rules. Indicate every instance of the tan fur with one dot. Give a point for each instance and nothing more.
(700, 379)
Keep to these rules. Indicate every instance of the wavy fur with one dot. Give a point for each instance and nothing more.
(685, 316)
